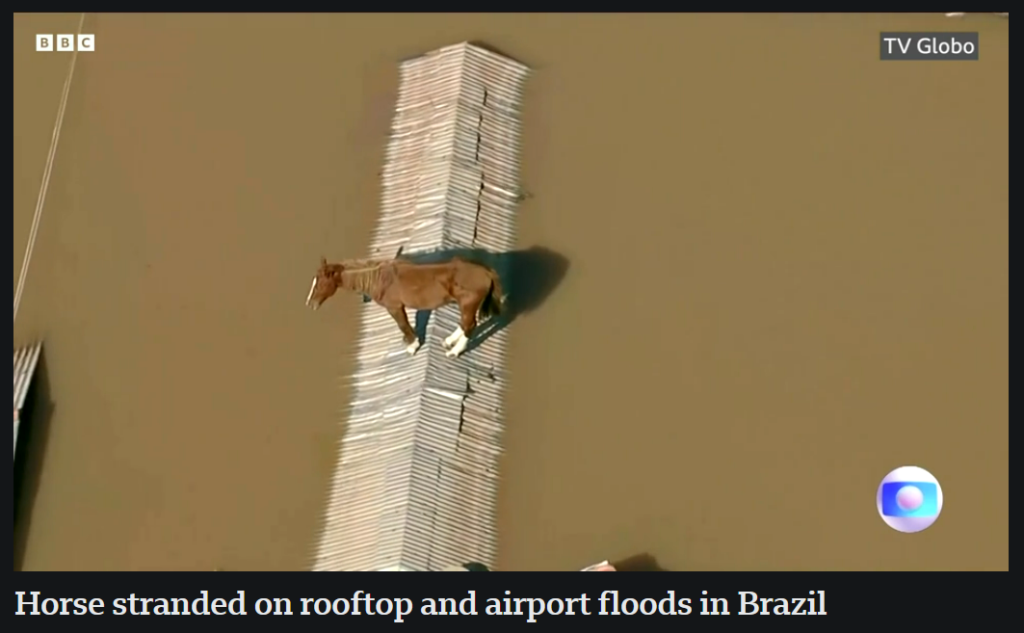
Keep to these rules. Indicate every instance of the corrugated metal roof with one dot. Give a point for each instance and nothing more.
(25, 361)
(416, 483)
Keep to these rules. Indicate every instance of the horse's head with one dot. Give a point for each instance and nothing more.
(325, 283)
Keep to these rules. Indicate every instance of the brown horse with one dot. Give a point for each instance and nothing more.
(397, 284)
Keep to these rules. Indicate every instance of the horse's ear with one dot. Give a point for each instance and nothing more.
(323, 261)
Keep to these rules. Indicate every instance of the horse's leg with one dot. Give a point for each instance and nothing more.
(468, 310)
(412, 342)
(457, 333)
(459, 295)
(453, 337)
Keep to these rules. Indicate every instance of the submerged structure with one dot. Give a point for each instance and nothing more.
(416, 481)
(25, 361)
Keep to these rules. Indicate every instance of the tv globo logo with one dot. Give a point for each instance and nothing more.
(909, 499)
(85, 42)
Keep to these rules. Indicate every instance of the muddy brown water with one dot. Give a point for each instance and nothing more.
(789, 275)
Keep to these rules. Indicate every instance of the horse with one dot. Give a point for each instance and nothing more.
(396, 284)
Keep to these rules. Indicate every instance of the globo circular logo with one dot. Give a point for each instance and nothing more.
(909, 499)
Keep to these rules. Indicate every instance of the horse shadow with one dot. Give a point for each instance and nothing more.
(30, 454)
(528, 277)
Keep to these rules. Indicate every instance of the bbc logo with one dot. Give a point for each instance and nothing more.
(46, 42)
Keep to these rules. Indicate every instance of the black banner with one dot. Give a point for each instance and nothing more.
(534, 599)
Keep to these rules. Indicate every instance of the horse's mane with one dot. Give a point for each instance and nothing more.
(354, 265)
(363, 275)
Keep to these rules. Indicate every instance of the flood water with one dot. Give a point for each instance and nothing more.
(788, 276)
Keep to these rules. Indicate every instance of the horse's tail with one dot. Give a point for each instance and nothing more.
(494, 301)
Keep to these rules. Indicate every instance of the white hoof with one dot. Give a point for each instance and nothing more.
(412, 348)
(458, 347)
(453, 338)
